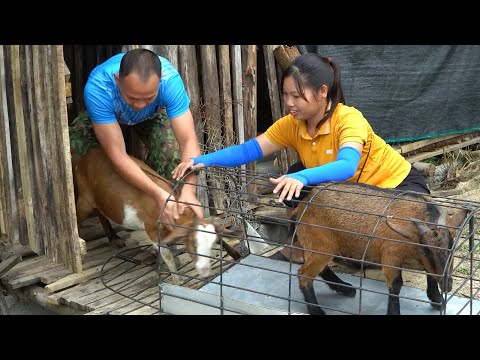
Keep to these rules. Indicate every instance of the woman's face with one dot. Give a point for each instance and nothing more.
(303, 109)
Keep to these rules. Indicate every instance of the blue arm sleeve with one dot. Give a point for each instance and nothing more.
(233, 155)
(342, 168)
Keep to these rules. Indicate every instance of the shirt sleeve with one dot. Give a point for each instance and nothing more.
(281, 131)
(99, 107)
(175, 98)
(353, 127)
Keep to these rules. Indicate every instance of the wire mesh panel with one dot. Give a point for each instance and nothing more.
(363, 250)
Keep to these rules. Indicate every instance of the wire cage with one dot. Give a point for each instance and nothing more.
(360, 244)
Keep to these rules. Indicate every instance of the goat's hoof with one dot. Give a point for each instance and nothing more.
(438, 305)
(315, 310)
(118, 242)
(346, 291)
(177, 280)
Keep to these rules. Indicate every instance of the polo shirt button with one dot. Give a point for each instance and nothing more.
(314, 143)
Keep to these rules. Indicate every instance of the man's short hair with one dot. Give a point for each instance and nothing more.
(141, 61)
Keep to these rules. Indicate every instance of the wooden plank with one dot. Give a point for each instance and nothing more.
(73, 279)
(188, 69)
(63, 296)
(9, 263)
(122, 282)
(68, 90)
(226, 92)
(279, 52)
(138, 287)
(213, 124)
(170, 52)
(66, 71)
(15, 203)
(237, 98)
(127, 305)
(36, 163)
(23, 135)
(55, 250)
(3, 305)
(29, 279)
(275, 98)
(426, 155)
(249, 80)
(237, 92)
(92, 268)
(31, 263)
(4, 156)
(147, 310)
(44, 175)
(407, 148)
(116, 273)
(71, 246)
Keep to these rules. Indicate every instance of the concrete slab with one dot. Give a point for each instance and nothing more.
(273, 284)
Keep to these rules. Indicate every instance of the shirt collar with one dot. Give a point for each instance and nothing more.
(324, 128)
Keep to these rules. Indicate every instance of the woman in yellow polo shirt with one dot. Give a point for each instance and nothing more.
(334, 141)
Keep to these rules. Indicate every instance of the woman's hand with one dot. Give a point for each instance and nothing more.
(184, 167)
(290, 187)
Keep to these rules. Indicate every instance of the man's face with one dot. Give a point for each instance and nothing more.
(136, 92)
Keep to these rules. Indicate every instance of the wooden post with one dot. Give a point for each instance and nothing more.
(226, 93)
(284, 55)
(249, 80)
(187, 66)
(213, 122)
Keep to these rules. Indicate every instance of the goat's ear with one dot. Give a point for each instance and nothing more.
(457, 217)
(455, 220)
(403, 227)
(220, 229)
(174, 236)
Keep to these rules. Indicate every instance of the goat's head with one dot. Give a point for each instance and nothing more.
(199, 238)
(437, 241)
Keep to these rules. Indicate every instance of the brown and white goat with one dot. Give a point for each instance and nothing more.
(101, 190)
(373, 225)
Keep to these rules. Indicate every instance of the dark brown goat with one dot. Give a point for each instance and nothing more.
(101, 190)
(356, 221)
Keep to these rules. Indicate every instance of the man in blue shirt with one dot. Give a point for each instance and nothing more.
(130, 88)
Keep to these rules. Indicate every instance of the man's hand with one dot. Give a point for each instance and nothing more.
(188, 196)
(169, 211)
(290, 187)
(184, 167)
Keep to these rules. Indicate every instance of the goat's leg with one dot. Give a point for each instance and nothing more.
(394, 281)
(314, 264)
(83, 209)
(167, 256)
(434, 294)
(340, 287)
(111, 234)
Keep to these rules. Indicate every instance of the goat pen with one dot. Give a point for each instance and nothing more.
(264, 282)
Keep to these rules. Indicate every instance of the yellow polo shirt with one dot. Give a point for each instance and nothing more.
(384, 168)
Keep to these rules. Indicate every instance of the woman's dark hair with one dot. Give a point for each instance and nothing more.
(312, 70)
(143, 62)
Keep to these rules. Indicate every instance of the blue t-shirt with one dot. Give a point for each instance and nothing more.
(105, 104)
